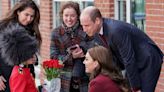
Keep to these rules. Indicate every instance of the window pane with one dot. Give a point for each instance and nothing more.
(138, 13)
(56, 15)
(122, 10)
(13, 2)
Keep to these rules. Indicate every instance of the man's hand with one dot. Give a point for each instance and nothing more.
(2, 83)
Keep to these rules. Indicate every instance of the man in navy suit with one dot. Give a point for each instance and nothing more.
(132, 49)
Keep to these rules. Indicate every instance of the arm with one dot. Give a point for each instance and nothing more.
(54, 51)
(55, 46)
(123, 42)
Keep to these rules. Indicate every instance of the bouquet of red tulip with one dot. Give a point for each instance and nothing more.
(52, 68)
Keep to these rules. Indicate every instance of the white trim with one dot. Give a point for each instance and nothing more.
(116, 9)
(128, 11)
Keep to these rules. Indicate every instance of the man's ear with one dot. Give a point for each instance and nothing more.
(97, 21)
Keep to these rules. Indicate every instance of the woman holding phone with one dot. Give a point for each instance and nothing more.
(65, 45)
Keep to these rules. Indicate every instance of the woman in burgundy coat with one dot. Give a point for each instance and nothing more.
(103, 75)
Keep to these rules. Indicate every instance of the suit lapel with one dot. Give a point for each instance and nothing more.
(106, 31)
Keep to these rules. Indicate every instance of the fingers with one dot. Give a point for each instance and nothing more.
(2, 83)
(78, 54)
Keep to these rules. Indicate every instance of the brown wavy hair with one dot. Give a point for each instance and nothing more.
(20, 6)
(106, 66)
(70, 4)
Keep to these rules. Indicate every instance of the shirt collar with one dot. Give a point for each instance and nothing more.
(101, 31)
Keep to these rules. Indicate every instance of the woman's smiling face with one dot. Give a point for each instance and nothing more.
(69, 17)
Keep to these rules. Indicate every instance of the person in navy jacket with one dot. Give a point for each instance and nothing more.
(132, 49)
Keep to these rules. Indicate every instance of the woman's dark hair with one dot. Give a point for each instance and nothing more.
(20, 6)
(106, 66)
(70, 4)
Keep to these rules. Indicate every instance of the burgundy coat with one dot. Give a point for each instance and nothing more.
(103, 83)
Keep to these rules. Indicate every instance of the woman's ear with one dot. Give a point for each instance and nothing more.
(18, 12)
(96, 63)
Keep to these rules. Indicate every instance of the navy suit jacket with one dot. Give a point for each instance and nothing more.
(135, 51)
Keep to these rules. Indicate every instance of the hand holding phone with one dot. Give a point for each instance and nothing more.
(72, 48)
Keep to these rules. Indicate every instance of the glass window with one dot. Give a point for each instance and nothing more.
(138, 13)
(57, 5)
(131, 11)
(122, 10)
(13, 2)
(56, 15)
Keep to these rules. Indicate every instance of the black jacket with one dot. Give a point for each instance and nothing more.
(5, 69)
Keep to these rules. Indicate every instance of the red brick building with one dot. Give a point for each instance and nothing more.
(146, 14)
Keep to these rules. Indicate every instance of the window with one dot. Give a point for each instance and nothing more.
(121, 7)
(13, 2)
(138, 13)
(56, 16)
(56, 9)
(131, 11)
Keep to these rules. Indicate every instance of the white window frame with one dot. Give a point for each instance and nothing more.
(128, 12)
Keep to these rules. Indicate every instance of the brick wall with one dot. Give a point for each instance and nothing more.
(155, 29)
(5, 7)
(106, 7)
(155, 21)
(45, 26)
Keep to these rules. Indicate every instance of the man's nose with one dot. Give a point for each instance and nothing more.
(84, 29)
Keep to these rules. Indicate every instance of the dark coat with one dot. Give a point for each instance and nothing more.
(136, 52)
(5, 69)
(61, 39)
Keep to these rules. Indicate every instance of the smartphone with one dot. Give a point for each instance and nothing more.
(73, 47)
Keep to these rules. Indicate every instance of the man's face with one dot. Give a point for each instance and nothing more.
(88, 25)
